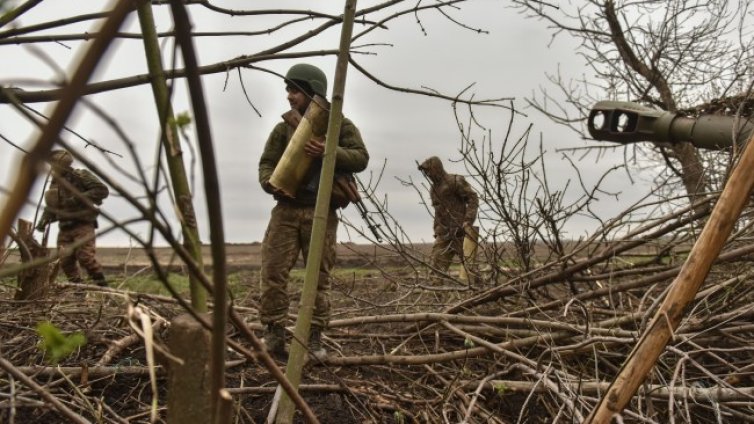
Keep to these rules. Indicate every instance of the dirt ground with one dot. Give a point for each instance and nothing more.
(507, 347)
(339, 392)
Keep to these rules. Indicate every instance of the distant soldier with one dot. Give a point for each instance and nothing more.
(289, 230)
(455, 204)
(72, 200)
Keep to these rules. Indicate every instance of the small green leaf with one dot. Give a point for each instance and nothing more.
(57, 345)
(468, 343)
(182, 119)
(500, 388)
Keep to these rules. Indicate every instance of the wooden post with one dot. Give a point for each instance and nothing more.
(33, 282)
(682, 291)
(189, 384)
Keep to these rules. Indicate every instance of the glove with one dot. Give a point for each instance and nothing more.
(41, 225)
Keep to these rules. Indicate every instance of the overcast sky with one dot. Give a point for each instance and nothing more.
(511, 60)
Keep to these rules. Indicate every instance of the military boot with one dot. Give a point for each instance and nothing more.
(99, 279)
(316, 348)
(274, 339)
(77, 291)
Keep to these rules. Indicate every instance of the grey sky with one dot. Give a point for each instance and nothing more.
(398, 128)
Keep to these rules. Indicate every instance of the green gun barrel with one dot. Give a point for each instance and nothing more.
(628, 122)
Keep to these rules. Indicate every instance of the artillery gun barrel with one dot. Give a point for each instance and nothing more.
(628, 122)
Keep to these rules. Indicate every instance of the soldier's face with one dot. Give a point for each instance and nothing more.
(297, 99)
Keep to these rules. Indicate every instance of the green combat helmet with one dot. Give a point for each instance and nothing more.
(61, 159)
(311, 77)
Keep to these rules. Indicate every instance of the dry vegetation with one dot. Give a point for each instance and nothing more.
(512, 347)
(538, 335)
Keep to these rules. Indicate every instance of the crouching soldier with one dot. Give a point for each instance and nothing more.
(72, 200)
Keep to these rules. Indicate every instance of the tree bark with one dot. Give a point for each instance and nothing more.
(297, 356)
(33, 281)
(173, 154)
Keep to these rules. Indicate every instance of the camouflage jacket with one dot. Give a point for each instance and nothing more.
(68, 209)
(351, 156)
(453, 199)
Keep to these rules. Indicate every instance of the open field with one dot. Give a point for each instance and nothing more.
(238, 256)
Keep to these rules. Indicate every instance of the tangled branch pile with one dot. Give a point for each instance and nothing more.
(535, 345)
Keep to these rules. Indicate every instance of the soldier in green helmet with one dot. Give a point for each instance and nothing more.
(289, 230)
(72, 200)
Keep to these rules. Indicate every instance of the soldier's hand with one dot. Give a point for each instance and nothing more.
(70, 203)
(314, 148)
(41, 225)
(266, 186)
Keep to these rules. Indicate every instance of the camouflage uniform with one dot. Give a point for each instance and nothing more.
(77, 219)
(289, 229)
(455, 204)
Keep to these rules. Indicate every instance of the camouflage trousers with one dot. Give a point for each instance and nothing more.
(287, 235)
(76, 245)
(443, 251)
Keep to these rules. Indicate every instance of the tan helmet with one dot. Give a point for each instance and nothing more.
(61, 158)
